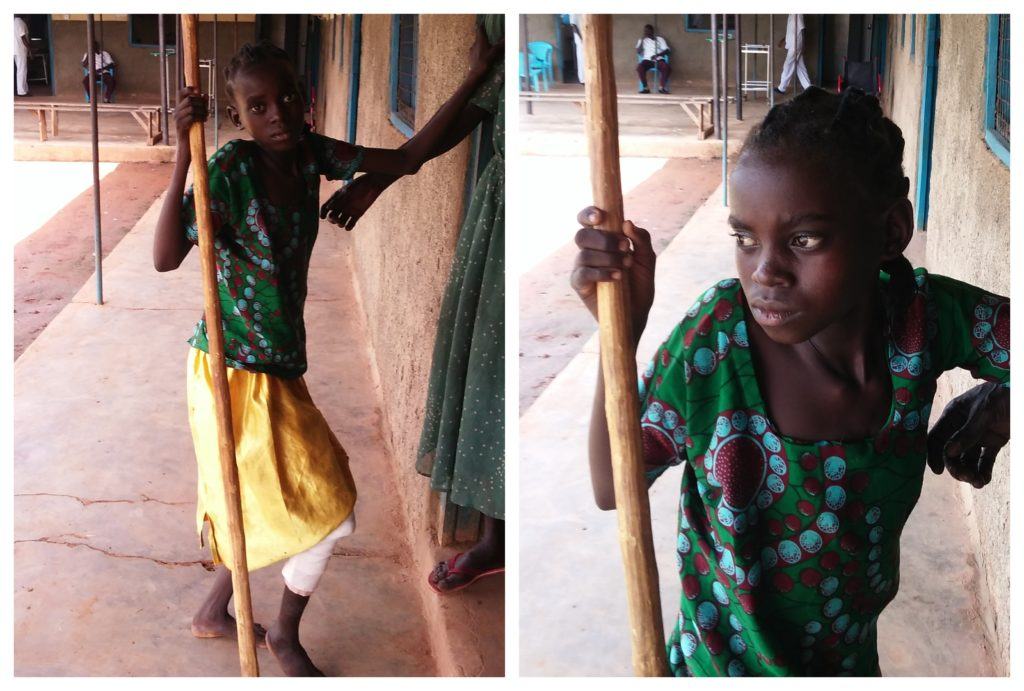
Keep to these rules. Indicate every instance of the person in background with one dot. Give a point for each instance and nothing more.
(104, 72)
(576, 21)
(22, 52)
(653, 52)
(794, 44)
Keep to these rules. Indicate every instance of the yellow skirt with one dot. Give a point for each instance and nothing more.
(293, 474)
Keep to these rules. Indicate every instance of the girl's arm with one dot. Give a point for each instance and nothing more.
(348, 204)
(437, 136)
(170, 244)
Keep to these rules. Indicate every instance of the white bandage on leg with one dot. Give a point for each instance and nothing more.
(303, 571)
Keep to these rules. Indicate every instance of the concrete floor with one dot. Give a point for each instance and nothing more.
(572, 606)
(107, 566)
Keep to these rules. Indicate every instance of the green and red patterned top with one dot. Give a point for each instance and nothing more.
(263, 252)
(788, 550)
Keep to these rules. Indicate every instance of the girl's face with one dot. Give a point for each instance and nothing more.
(267, 103)
(807, 254)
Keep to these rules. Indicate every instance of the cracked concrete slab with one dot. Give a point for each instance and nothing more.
(108, 567)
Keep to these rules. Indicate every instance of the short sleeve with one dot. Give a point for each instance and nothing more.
(224, 196)
(662, 407)
(662, 45)
(335, 159)
(972, 329)
(488, 95)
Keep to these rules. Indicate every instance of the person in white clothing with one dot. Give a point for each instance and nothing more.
(794, 44)
(104, 72)
(22, 52)
(653, 52)
(576, 21)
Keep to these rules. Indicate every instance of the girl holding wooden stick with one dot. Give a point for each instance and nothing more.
(297, 491)
(799, 395)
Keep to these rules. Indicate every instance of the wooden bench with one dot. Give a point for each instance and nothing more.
(698, 108)
(148, 116)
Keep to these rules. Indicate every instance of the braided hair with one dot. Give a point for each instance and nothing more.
(251, 54)
(845, 132)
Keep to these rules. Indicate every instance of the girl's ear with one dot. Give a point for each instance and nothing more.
(234, 117)
(898, 230)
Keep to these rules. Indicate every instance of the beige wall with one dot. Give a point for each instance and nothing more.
(404, 244)
(691, 51)
(138, 72)
(968, 238)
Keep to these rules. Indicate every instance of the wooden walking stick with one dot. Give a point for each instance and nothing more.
(215, 336)
(618, 362)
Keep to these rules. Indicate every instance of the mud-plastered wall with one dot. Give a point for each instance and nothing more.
(968, 238)
(404, 244)
(137, 67)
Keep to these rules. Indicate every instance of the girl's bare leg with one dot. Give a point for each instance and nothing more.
(213, 620)
(283, 638)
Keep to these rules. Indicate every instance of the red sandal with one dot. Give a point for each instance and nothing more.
(474, 574)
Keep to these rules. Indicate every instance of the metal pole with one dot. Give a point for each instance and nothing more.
(179, 71)
(90, 30)
(739, 81)
(214, 101)
(524, 42)
(771, 61)
(163, 80)
(716, 102)
(725, 110)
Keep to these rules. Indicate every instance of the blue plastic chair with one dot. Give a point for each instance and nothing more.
(537, 76)
(541, 55)
(99, 82)
(650, 70)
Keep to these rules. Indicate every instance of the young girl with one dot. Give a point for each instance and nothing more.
(799, 396)
(297, 491)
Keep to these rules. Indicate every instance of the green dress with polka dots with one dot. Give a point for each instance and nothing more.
(462, 445)
(263, 251)
(787, 549)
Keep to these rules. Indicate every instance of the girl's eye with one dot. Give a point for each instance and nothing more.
(806, 241)
(744, 240)
(258, 108)
(289, 98)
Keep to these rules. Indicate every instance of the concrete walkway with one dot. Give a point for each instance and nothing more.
(573, 617)
(107, 566)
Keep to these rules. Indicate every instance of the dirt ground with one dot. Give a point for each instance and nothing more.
(553, 324)
(51, 264)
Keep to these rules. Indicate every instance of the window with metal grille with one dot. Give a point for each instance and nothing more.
(404, 40)
(143, 31)
(997, 86)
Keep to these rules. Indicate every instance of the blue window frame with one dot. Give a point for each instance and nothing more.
(701, 23)
(404, 44)
(997, 87)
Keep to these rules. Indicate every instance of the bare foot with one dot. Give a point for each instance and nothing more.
(291, 656)
(224, 626)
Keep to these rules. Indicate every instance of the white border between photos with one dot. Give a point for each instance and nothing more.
(515, 216)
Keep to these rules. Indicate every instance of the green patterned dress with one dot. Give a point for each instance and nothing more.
(787, 549)
(462, 446)
(263, 252)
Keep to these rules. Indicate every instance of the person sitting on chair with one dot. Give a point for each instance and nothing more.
(653, 52)
(104, 72)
